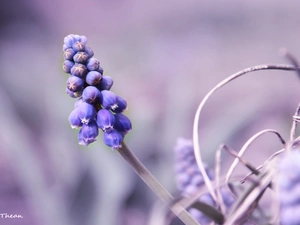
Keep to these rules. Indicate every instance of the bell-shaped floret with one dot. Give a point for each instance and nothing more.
(123, 123)
(109, 100)
(113, 139)
(74, 120)
(105, 120)
(86, 112)
(88, 133)
(122, 105)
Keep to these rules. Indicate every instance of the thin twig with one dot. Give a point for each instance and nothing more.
(220, 201)
(261, 166)
(245, 147)
(199, 109)
(155, 186)
(247, 164)
(294, 125)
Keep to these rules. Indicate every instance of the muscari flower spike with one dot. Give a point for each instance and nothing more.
(189, 179)
(288, 184)
(97, 107)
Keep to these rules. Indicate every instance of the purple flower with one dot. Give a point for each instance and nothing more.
(69, 53)
(89, 51)
(289, 188)
(93, 64)
(78, 46)
(123, 123)
(80, 57)
(91, 95)
(93, 78)
(70, 40)
(122, 105)
(88, 133)
(200, 216)
(86, 112)
(79, 70)
(75, 84)
(97, 107)
(73, 94)
(78, 102)
(74, 120)
(67, 65)
(106, 83)
(105, 120)
(113, 139)
(109, 100)
(100, 70)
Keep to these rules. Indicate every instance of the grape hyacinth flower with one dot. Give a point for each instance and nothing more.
(288, 184)
(97, 107)
(189, 179)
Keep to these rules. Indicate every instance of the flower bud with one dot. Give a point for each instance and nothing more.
(105, 120)
(79, 70)
(106, 83)
(78, 46)
(93, 78)
(69, 53)
(122, 124)
(75, 84)
(80, 57)
(93, 64)
(89, 51)
(91, 95)
(100, 70)
(113, 139)
(88, 133)
(109, 100)
(73, 94)
(70, 40)
(67, 66)
(83, 39)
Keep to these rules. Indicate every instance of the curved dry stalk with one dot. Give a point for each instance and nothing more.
(294, 125)
(261, 166)
(246, 145)
(219, 201)
(197, 115)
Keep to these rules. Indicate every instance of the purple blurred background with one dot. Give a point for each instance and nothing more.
(164, 56)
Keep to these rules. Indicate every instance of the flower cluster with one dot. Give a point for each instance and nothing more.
(189, 179)
(97, 106)
(289, 188)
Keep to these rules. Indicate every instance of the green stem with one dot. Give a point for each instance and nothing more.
(155, 186)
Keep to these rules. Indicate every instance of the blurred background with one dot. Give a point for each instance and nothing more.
(164, 56)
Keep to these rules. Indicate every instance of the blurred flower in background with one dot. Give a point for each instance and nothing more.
(163, 56)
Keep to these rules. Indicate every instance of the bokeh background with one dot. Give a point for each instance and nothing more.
(164, 56)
